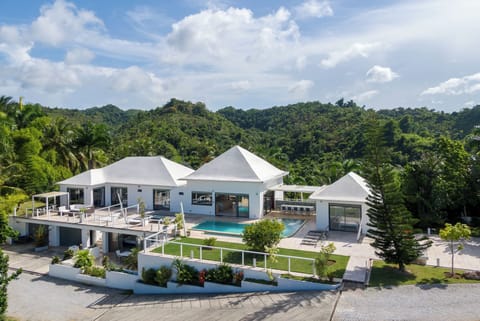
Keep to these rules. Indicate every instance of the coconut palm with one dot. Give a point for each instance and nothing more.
(90, 139)
(58, 135)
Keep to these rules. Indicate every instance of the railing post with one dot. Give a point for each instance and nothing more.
(201, 253)
(313, 267)
(265, 260)
(289, 264)
(145, 245)
(181, 250)
(221, 255)
(243, 258)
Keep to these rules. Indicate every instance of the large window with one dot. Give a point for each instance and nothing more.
(161, 199)
(115, 192)
(76, 195)
(345, 217)
(99, 197)
(231, 205)
(202, 198)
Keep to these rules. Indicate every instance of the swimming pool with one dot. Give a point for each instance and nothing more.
(291, 227)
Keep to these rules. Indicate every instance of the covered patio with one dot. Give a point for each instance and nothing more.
(294, 199)
(47, 196)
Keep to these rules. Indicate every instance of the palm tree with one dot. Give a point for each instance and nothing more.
(89, 139)
(9, 107)
(58, 135)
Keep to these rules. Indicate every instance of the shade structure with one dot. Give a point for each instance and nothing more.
(46, 196)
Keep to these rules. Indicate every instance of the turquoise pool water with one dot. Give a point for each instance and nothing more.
(291, 227)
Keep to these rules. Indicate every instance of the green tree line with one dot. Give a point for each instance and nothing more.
(434, 154)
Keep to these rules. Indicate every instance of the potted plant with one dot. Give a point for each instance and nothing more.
(41, 238)
(179, 223)
(131, 261)
(141, 209)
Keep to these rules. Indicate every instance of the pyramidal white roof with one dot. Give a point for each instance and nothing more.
(237, 165)
(350, 188)
(157, 171)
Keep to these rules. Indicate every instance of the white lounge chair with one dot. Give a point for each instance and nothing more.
(62, 210)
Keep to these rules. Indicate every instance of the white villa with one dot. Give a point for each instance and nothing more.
(235, 184)
(154, 179)
(342, 205)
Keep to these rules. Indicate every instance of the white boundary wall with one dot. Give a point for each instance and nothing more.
(121, 280)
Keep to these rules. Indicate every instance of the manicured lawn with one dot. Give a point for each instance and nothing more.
(388, 274)
(296, 265)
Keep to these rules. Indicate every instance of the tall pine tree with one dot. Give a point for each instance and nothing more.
(391, 224)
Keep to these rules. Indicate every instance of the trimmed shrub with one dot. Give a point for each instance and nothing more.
(223, 274)
(84, 259)
(163, 275)
(262, 234)
(186, 274)
(148, 276)
(131, 261)
(210, 241)
(55, 260)
(96, 271)
(68, 254)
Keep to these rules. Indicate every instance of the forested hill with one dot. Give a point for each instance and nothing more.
(436, 153)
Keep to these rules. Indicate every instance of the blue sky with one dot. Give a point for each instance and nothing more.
(246, 54)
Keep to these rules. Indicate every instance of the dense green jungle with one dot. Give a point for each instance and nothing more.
(435, 153)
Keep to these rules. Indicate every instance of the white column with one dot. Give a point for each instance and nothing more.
(53, 235)
(105, 242)
(86, 238)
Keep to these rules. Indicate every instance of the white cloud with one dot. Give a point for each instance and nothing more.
(380, 74)
(301, 88)
(354, 51)
(456, 86)
(14, 44)
(367, 95)
(469, 104)
(62, 21)
(301, 62)
(241, 85)
(79, 56)
(313, 9)
(233, 39)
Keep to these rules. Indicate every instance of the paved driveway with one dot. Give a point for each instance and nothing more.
(433, 302)
(34, 297)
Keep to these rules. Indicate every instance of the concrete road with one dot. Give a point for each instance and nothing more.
(36, 297)
(458, 302)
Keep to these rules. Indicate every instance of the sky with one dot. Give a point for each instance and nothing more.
(247, 54)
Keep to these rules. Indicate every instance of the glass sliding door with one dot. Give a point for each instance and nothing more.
(119, 191)
(161, 199)
(243, 205)
(76, 195)
(345, 217)
(236, 205)
(268, 202)
(99, 197)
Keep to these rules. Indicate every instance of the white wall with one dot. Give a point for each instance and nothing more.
(133, 194)
(322, 215)
(322, 219)
(253, 190)
(21, 227)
